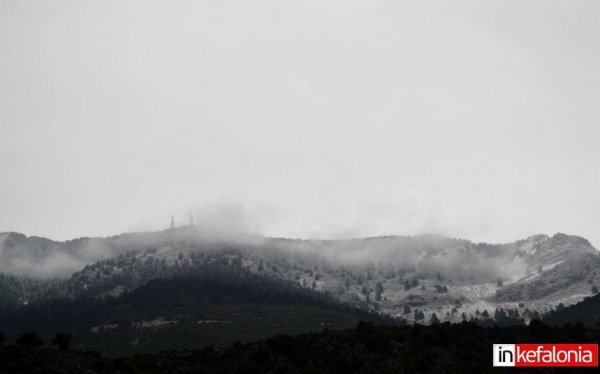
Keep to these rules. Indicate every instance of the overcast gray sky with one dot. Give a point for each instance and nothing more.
(306, 119)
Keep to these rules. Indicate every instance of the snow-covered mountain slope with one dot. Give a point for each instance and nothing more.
(43, 258)
(453, 278)
(573, 275)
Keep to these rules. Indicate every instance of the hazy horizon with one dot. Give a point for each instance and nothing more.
(309, 119)
(226, 232)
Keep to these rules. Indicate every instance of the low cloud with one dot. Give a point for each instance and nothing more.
(55, 265)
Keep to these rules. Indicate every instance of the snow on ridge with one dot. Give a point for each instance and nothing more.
(477, 291)
(552, 265)
(532, 244)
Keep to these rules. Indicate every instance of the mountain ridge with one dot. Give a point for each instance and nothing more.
(434, 274)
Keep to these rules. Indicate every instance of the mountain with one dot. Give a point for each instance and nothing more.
(566, 267)
(411, 278)
(214, 303)
(42, 258)
(186, 313)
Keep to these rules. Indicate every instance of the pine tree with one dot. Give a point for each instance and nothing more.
(419, 315)
(378, 291)
(415, 282)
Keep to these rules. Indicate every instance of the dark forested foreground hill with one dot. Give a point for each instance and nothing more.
(446, 348)
(211, 307)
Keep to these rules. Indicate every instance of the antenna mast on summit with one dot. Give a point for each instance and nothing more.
(191, 218)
